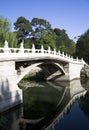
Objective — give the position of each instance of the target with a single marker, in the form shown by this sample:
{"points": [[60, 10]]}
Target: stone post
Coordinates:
{"points": [[66, 55], [21, 47], [6, 48], [63, 54], [33, 48], [71, 57], [81, 59], [59, 52], [49, 49], [42, 49], [54, 51], [77, 58]]}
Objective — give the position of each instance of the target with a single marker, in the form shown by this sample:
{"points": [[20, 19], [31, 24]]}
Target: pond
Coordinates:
{"points": [[50, 106]]}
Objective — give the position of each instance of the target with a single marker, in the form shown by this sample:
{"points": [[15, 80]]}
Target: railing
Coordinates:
{"points": [[22, 50]]}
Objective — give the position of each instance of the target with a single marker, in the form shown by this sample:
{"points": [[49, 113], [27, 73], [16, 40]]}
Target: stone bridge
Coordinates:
{"points": [[55, 65]]}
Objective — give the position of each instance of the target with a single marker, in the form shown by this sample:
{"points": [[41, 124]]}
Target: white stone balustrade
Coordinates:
{"points": [[42, 51]]}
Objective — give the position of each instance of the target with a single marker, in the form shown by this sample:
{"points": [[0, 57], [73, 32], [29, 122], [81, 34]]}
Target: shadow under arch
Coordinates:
{"points": [[51, 70]]}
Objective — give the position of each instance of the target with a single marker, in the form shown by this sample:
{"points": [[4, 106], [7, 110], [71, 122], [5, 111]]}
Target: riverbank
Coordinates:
{"points": [[31, 80]]}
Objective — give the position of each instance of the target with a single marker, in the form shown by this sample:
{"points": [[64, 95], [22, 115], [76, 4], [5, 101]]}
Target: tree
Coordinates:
{"points": [[23, 28], [12, 40], [6, 34], [63, 42], [4, 24], [42, 32], [82, 46], [39, 26], [59, 42], [4, 29], [50, 40]]}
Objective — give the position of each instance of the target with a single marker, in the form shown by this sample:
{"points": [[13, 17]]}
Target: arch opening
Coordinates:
{"points": [[47, 70]]}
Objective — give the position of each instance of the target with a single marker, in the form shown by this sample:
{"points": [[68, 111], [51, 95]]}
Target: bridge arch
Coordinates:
{"points": [[51, 70]]}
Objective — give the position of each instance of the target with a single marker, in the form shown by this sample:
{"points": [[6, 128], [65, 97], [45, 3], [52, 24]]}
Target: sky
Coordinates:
{"points": [[71, 15]]}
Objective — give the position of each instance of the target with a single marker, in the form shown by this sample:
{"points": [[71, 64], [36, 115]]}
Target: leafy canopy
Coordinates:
{"points": [[6, 34], [23, 28], [82, 46], [40, 32]]}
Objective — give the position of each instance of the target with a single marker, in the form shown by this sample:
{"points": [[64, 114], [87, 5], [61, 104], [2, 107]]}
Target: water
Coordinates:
{"points": [[51, 106]]}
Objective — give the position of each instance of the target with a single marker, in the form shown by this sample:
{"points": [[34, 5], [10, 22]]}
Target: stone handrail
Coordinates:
{"points": [[23, 50]]}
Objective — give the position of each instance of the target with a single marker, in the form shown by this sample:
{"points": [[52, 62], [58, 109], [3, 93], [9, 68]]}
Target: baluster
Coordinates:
{"points": [[81, 59], [62, 54], [59, 52], [6, 47], [33, 48], [54, 51], [49, 49], [77, 58], [42, 49], [71, 57], [66, 55], [21, 47]]}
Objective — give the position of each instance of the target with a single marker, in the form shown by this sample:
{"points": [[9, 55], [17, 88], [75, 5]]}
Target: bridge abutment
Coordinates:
{"points": [[74, 70], [10, 93]]}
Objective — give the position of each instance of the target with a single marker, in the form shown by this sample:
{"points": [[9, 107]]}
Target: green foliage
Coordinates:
{"points": [[50, 41], [41, 31], [4, 24], [40, 25], [28, 43], [5, 33], [82, 46], [4, 30], [23, 28], [12, 40], [63, 42]]}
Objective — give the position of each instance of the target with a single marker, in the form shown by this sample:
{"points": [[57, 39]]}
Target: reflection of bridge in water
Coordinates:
{"points": [[75, 90], [69, 92], [72, 91]]}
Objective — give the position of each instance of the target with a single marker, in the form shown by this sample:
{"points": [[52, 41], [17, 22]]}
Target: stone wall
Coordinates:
{"points": [[74, 70], [10, 94]]}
